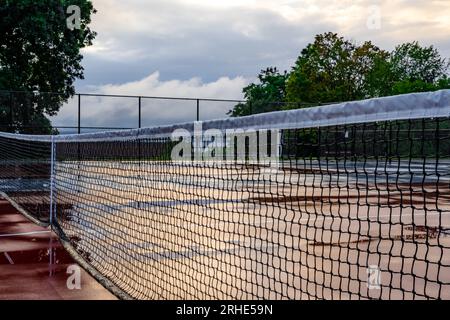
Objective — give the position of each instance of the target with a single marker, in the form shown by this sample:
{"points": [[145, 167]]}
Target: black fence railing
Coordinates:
{"points": [[19, 111], [22, 111]]}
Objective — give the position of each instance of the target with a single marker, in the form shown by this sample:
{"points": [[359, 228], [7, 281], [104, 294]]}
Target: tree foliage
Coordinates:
{"points": [[38, 52], [333, 69], [412, 62], [263, 96], [418, 69]]}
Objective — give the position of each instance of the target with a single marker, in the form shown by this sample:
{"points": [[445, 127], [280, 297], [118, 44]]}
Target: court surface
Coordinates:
{"points": [[237, 232], [26, 271]]}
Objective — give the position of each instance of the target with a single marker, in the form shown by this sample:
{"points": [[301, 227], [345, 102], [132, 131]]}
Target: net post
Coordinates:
{"points": [[52, 204], [52, 180]]}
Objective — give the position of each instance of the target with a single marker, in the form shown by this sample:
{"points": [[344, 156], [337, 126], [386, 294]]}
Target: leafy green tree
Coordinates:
{"points": [[266, 95], [333, 69], [372, 73], [39, 53], [418, 69], [412, 62]]}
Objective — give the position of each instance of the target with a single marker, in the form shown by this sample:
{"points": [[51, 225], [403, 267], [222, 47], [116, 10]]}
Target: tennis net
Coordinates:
{"points": [[345, 201]]}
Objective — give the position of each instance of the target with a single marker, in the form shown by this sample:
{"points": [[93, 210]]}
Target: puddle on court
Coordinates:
{"points": [[60, 256]]}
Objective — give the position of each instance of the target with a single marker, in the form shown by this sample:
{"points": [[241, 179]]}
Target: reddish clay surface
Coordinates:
{"points": [[26, 268]]}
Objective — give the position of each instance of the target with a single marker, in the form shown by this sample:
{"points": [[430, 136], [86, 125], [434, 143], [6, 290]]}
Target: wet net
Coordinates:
{"points": [[349, 201]]}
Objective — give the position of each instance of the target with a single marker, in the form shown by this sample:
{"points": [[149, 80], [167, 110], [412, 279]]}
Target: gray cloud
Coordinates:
{"points": [[123, 112], [209, 40], [183, 40], [192, 38]]}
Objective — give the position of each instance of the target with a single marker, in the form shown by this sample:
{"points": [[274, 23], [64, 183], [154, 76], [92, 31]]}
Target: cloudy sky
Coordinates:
{"points": [[212, 48]]}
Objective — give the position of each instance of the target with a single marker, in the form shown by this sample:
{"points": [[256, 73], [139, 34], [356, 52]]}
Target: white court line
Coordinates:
{"points": [[23, 233], [370, 217], [8, 258]]}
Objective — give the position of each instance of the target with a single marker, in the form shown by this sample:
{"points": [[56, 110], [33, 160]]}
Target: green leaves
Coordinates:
{"points": [[39, 53], [263, 96], [333, 69], [412, 62]]}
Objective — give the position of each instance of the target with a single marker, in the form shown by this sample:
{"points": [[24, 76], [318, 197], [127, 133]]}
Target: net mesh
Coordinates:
{"points": [[25, 174], [344, 211]]}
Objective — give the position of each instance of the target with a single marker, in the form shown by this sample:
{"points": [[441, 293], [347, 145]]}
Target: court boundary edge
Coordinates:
{"points": [[21, 210], [104, 281]]}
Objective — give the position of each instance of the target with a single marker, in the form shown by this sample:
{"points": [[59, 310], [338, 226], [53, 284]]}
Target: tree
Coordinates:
{"points": [[372, 71], [39, 53], [412, 62], [265, 95], [333, 69], [418, 69]]}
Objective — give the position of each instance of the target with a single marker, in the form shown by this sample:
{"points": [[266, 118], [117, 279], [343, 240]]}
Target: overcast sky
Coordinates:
{"points": [[212, 48]]}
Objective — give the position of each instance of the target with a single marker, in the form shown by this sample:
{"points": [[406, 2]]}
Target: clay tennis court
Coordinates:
{"points": [[171, 231], [26, 270], [355, 205], [239, 240]]}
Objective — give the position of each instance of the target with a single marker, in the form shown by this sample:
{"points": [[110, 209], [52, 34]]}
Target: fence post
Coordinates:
{"points": [[198, 109], [140, 113], [79, 113]]}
